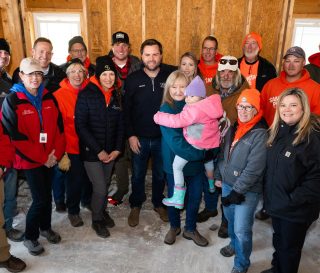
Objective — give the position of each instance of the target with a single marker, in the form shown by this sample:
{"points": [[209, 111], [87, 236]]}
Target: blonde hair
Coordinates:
{"points": [[193, 57], [175, 75], [237, 79], [71, 66], [306, 124]]}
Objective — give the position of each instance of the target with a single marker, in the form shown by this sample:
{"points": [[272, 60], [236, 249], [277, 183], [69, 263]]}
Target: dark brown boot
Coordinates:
{"points": [[223, 230], [13, 264], [133, 219], [171, 235]]}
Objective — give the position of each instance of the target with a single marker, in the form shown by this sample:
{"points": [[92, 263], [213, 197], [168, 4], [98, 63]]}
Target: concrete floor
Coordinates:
{"points": [[141, 249]]}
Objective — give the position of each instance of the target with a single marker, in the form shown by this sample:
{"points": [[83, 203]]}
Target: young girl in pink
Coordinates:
{"points": [[200, 122]]}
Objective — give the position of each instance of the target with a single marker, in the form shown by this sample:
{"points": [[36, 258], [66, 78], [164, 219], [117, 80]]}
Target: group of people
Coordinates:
{"points": [[70, 127]]}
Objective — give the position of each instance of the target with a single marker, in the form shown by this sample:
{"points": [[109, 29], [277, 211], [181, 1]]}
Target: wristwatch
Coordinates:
{"points": [[3, 168]]}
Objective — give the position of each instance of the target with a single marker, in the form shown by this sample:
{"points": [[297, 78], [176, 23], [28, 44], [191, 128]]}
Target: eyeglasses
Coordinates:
{"points": [[78, 51], [225, 61], [246, 108], [209, 49], [36, 74]]}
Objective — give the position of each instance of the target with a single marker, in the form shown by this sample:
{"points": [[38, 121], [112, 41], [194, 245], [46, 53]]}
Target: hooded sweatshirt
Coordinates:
{"points": [[209, 71], [314, 67], [200, 122], [274, 87]]}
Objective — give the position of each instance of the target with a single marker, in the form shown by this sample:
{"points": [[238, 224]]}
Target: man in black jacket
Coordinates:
{"points": [[254, 68], [143, 96], [53, 74]]}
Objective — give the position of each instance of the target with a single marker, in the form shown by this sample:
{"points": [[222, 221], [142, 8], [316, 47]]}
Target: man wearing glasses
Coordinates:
{"points": [[53, 74], [228, 83], [78, 49], [208, 62], [257, 70]]}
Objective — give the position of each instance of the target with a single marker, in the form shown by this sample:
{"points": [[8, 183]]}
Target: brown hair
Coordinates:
{"points": [[193, 57], [41, 39]]}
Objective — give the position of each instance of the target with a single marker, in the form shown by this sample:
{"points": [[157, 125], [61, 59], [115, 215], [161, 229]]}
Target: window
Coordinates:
{"points": [[306, 34], [59, 28]]}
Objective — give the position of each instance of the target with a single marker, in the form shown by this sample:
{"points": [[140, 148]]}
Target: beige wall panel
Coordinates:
{"points": [[53, 4], [230, 25], [97, 28], [1, 27], [266, 20], [306, 6], [126, 16], [161, 22], [195, 25]]}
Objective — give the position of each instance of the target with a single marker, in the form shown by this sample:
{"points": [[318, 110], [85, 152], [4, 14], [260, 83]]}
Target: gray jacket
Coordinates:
{"points": [[244, 167]]}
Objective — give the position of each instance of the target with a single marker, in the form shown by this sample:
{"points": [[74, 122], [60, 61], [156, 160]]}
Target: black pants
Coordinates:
{"points": [[288, 240], [39, 214]]}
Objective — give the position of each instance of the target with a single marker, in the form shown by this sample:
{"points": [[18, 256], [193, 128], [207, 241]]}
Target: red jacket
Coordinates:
{"points": [[21, 121], [67, 97], [6, 149], [274, 87]]}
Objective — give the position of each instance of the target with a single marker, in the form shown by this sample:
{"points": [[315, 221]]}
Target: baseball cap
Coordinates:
{"points": [[120, 37], [29, 65], [295, 51], [228, 62]]}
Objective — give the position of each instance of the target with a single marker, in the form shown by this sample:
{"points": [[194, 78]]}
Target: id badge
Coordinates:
{"points": [[43, 138]]}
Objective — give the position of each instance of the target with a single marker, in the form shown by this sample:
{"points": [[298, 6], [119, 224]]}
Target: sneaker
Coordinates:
{"points": [[223, 230], [227, 251], [204, 215], [13, 264], [133, 219], [108, 221], [75, 220], [162, 213], [52, 236], [262, 215], [112, 201], [270, 270], [234, 270], [15, 235], [61, 207], [100, 229], [34, 247], [196, 237], [171, 235]]}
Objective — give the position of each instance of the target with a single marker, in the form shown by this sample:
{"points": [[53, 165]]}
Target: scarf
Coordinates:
{"points": [[36, 101], [124, 71]]}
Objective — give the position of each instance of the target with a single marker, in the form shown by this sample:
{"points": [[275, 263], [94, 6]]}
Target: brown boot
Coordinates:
{"points": [[171, 235], [162, 213], [13, 264], [196, 237], [133, 219], [223, 230]]}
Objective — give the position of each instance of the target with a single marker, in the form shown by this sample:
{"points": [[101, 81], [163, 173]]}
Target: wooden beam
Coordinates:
{"points": [[178, 30]]}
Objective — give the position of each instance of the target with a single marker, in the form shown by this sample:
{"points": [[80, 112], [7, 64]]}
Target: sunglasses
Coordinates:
{"points": [[225, 61]]}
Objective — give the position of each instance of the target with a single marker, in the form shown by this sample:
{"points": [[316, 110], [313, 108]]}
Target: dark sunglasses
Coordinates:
{"points": [[225, 61]]}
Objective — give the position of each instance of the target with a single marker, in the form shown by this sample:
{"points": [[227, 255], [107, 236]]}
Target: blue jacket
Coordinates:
{"points": [[173, 143], [243, 168]]}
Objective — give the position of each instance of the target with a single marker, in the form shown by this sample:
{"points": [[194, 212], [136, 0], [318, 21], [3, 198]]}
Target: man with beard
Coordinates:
{"points": [[53, 74], [228, 83], [257, 70], [293, 75], [143, 96]]}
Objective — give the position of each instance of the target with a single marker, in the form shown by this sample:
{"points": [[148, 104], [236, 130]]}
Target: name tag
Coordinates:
{"points": [[43, 138]]}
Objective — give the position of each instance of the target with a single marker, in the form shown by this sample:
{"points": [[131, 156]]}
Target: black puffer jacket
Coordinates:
{"points": [[99, 127], [51, 80], [292, 180]]}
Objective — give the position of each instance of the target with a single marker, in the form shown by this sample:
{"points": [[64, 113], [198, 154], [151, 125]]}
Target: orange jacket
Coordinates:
{"points": [[67, 97], [275, 87], [208, 72]]}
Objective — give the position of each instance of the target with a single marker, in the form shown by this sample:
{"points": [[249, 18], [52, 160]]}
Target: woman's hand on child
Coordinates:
{"points": [[218, 183]]}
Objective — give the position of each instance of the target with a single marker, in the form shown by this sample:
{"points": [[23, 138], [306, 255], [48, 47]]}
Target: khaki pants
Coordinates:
{"points": [[4, 246]]}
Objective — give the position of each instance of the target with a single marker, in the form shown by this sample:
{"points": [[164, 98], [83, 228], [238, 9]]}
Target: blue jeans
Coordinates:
{"points": [[192, 201], [240, 221], [10, 193], [39, 214], [150, 147], [59, 181], [210, 199]]}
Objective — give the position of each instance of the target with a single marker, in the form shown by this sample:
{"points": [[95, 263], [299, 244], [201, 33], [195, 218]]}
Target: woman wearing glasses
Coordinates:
{"points": [[31, 117], [240, 170], [76, 177]]}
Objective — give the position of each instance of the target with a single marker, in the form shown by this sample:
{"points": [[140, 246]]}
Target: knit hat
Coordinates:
{"points": [[196, 88], [75, 40], [120, 37], [295, 51], [255, 36], [228, 62], [4, 45], [251, 96], [29, 65], [74, 61], [104, 63]]}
